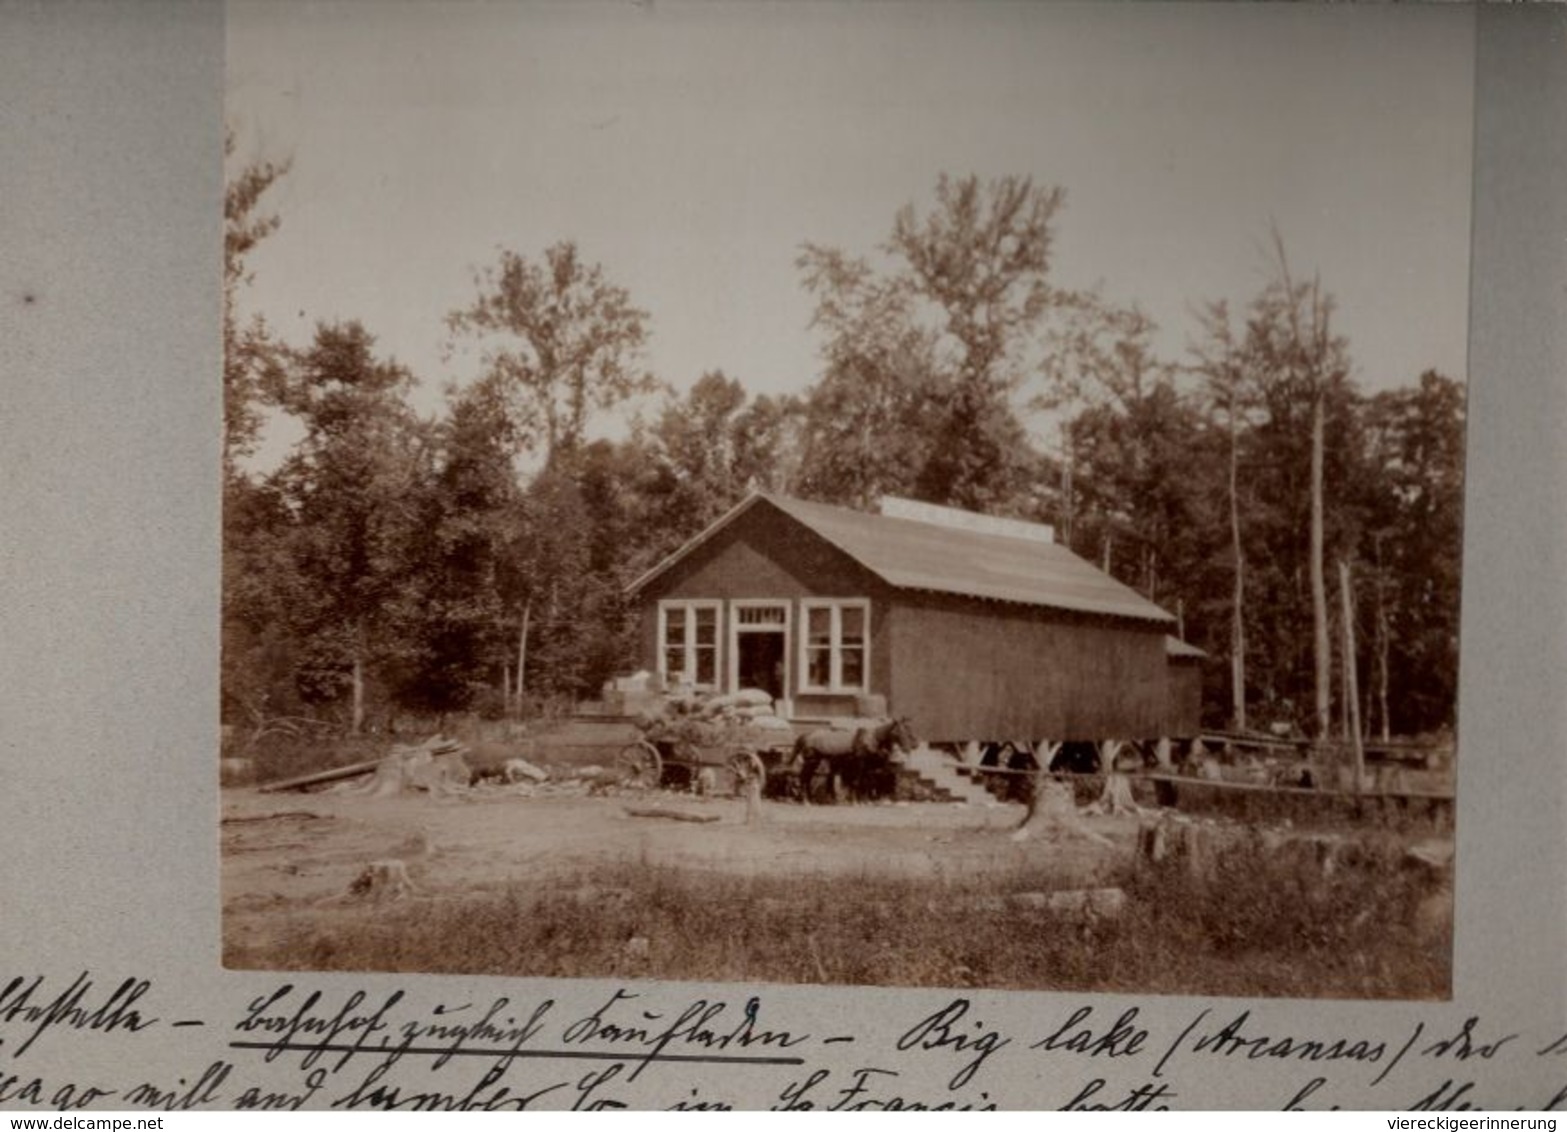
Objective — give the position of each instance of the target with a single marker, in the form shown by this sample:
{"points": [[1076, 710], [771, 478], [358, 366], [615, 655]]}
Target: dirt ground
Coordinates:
{"points": [[289, 859]]}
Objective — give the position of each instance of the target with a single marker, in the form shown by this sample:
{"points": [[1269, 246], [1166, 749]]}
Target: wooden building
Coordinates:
{"points": [[1183, 718], [974, 629]]}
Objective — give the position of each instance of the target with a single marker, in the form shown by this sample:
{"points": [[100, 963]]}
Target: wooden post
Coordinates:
{"points": [[1351, 684], [753, 800]]}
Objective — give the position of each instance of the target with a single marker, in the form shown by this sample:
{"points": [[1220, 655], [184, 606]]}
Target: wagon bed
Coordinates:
{"points": [[677, 752]]}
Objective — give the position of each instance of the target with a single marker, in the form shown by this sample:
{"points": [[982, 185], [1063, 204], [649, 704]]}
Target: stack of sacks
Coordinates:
{"points": [[704, 719]]}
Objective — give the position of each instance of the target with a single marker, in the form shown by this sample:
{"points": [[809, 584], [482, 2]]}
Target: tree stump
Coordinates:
{"points": [[383, 880], [1051, 810], [1116, 797], [1197, 851], [1153, 842]]}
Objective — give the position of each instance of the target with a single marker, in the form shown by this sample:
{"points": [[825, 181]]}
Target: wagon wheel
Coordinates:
{"points": [[643, 767], [747, 766]]}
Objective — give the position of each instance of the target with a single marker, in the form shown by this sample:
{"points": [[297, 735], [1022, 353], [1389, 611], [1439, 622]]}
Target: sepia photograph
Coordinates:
{"points": [[928, 495]]}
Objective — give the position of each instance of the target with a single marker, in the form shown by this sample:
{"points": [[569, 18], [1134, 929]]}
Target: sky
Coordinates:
{"points": [[692, 149]]}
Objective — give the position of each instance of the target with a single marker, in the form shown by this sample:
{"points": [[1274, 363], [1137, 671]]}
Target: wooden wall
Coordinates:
{"points": [[1183, 718], [960, 668], [766, 554], [971, 669]]}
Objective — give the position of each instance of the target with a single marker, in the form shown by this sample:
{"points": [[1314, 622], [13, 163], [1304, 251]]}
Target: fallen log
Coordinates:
{"points": [[320, 777], [672, 815], [281, 815], [435, 746]]}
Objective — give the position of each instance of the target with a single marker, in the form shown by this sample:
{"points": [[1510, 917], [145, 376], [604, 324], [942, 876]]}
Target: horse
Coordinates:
{"points": [[853, 758]]}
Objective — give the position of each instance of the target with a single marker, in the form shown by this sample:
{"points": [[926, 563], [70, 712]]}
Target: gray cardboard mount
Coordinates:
{"points": [[111, 135]]}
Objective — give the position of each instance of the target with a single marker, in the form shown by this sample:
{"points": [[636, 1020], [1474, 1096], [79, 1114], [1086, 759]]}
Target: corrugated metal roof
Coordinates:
{"points": [[1177, 649], [927, 556]]}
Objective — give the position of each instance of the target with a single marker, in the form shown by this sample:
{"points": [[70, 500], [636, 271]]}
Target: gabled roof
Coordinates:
{"points": [[915, 555]]}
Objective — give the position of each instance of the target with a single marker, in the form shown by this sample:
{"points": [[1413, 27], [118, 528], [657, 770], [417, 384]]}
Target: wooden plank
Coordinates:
{"points": [[1263, 787], [1407, 748], [1215, 783]]}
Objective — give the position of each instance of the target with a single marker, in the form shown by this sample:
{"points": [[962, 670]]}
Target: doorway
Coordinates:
{"points": [[761, 647]]}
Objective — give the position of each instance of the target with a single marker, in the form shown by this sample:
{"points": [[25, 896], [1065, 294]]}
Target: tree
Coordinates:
{"points": [[460, 566], [1416, 441], [560, 339], [256, 654], [866, 423], [1292, 345], [922, 361], [713, 447], [252, 360], [353, 488], [1220, 362]]}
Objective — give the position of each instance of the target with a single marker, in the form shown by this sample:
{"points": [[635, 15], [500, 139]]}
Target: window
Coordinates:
{"points": [[834, 646], [688, 643]]}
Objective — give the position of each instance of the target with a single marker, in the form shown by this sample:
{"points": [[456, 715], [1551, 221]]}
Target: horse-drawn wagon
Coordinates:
{"points": [[851, 758], [692, 754]]}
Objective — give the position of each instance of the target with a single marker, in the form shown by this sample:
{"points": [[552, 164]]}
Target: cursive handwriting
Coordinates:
{"points": [[648, 1034], [1465, 1044], [862, 1093], [1122, 1039], [1144, 1098], [20, 1002], [284, 1025], [1235, 1040], [942, 1031], [361, 1049], [494, 1026]]}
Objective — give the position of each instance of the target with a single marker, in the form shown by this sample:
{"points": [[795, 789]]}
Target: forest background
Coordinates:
{"points": [[396, 565]]}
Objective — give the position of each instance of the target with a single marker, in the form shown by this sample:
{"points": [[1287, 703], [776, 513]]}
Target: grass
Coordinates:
{"points": [[1257, 924]]}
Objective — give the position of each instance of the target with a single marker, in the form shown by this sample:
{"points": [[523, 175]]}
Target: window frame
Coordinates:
{"points": [[835, 646], [687, 609]]}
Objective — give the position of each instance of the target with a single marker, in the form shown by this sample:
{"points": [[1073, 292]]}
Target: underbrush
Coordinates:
{"points": [[1253, 924]]}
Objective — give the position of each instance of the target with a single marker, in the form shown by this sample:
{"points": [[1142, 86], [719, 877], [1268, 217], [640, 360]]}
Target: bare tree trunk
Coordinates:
{"points": [[1319, 592], [1310, 367], [522, 651], [1068, 509], [1343, 667], [1382, 645], [357, 719], [506, 687], [1351, 681], [1238, 616]]}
